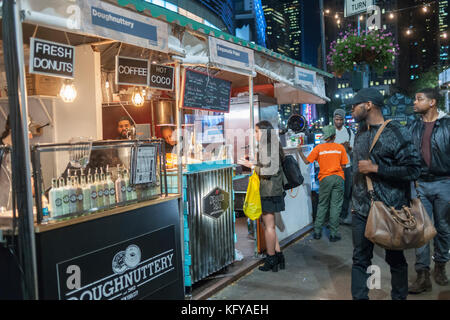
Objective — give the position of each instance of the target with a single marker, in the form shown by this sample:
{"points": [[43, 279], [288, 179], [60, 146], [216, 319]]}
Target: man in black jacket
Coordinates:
{"points": [[431, 135], [393, 163]]}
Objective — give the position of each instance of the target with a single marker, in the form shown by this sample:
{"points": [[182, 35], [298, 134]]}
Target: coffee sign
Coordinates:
{"points": [[51, 58], [132, 71], [161, 77]]}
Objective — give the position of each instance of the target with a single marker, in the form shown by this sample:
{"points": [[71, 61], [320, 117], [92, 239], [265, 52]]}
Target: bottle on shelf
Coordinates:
{"points": [[65, 197], [93, 191], [99, 187], [72, 194], [112, 190], [121, 189], [79, 192], [128, 187], [55, 198], [86, 190], [105, 190]]}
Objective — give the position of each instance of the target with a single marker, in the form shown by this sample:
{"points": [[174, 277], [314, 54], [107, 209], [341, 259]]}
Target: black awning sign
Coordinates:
{"points": [[161, 77], [132, 71], [51, 58], [216, 203]]}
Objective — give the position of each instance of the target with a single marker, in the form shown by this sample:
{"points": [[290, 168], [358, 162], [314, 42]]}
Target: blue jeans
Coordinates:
{"points": [[435, 197], [362, 260]]}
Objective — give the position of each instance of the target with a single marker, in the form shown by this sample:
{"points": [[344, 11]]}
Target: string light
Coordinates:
{"points": [[336, 16], [391, 15], [137, 99], [425, 9], [68, 92]]}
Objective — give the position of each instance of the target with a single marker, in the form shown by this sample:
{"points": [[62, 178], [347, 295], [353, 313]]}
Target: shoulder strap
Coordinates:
{"points": [[377, 136]]}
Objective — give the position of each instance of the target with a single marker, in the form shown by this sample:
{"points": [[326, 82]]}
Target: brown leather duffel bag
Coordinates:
{"points": [[409, 227]]}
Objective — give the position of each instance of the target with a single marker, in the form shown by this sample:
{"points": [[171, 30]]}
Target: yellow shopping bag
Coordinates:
{"points": [[252, 203]]}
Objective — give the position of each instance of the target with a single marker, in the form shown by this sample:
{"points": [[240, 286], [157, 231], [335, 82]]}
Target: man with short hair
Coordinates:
{"points": [[124, 126], [431, 135], [346, 137], [332, 158], [392, 164]]}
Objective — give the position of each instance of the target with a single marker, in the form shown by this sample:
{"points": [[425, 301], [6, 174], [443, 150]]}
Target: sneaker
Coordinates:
{"points": [[335, 238], [317, 236]]}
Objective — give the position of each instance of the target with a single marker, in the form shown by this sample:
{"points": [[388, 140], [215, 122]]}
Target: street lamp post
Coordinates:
{"points": [[322, 30]]}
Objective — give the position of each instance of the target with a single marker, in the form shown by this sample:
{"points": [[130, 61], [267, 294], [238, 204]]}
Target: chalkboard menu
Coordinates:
{"points": [[202, 91]]}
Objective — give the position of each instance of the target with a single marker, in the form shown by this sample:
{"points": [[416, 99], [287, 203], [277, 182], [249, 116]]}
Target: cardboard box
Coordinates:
{"points": [[43, 85]]}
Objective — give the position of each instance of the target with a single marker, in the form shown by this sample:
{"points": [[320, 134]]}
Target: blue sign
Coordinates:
{"points": [[307, 77], [125, 25], [232, 54]]}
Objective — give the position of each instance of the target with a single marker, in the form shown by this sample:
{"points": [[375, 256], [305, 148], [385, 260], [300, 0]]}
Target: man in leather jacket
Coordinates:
{"points": [[431, 135], [392, 164]]}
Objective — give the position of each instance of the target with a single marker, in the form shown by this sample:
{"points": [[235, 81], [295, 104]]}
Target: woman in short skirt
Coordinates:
{"points": [[270, 172]]}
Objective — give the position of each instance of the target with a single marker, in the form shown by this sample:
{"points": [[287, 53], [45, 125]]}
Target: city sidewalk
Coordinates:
{"points": [[320, 270]]}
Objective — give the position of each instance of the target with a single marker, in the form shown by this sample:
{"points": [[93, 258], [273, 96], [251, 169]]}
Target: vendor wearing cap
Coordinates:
{"points": [[332, 158]]}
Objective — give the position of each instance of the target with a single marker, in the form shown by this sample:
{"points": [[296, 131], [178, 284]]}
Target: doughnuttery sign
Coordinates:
{"points": [[131, 269], [216, 203], [51, 58]]}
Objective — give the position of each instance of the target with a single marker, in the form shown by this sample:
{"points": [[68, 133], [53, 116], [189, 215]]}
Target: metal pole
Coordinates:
{"points": [[252, 118], [322, 30], [180, 151], [24, 111]]}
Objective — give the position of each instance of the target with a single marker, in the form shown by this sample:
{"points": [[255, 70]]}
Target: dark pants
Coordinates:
{"points": [[347, 193], [435, 197], [362, 260]]}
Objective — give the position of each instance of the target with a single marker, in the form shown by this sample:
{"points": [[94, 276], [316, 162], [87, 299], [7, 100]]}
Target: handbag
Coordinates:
{"points": [[252, 203], [292, 172], [392, 229]]}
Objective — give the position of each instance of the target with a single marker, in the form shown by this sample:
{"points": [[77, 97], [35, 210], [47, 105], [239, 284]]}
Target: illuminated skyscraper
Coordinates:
{"points": [[443, 30], [293, 14], [277, 37]]}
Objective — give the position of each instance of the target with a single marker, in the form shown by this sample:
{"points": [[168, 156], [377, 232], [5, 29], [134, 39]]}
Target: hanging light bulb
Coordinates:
{"points": [[137, 99], [68, 92]]}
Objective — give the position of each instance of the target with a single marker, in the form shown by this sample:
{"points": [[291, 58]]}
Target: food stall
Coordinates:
{"points": [[189, 204], [102, 223]]}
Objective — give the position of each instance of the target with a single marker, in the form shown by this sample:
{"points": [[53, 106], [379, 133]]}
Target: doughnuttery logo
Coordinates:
{"points": [[127, 259]]}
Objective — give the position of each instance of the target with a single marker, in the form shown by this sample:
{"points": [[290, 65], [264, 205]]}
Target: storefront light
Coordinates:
{"points": [[68, 92], [138, 98]]}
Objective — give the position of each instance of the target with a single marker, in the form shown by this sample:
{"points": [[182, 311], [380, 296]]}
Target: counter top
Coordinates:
{"points": [[96, 215]]}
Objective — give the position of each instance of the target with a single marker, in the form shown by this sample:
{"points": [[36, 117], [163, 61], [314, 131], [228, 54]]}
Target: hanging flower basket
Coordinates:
{"points": [[375, 48]]}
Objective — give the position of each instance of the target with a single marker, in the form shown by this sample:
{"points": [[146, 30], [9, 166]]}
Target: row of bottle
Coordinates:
{"points": [[83, 193]]}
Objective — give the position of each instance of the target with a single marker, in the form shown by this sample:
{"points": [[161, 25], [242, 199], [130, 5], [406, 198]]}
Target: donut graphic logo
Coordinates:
{"points": [[126, 259]]}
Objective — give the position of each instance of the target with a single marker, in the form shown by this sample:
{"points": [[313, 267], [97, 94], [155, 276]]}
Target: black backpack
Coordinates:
{"points": [[292, 172]]}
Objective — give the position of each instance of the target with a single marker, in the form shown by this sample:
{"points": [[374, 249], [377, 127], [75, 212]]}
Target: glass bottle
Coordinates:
{"points": [[112, 189], [72, 195], [65, 197], [99, 187], [93, 192], [55, 198], [105, 190], [121, 189], [80, 197], [86, 189]]}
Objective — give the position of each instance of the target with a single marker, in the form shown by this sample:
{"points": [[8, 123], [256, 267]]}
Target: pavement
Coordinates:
{"points": [[320, 270]]}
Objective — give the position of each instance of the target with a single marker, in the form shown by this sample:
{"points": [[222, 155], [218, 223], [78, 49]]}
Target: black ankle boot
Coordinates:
{"points": [[271, 263], [280, 257]]}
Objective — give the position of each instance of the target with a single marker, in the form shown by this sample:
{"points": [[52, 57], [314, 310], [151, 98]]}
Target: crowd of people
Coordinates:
{"points": [[419, 152]]}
